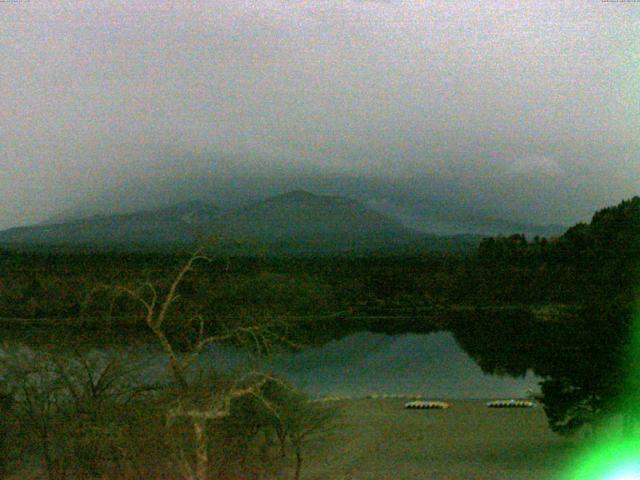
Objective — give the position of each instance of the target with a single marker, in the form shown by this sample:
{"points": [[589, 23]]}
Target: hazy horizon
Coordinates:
{"points": [[525, 112]]}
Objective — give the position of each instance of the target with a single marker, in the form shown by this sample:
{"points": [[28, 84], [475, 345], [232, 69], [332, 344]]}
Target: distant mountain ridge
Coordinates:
{"points": [[434, 217], [295, 221], [175, 224], [303, 216], [196, 208]]}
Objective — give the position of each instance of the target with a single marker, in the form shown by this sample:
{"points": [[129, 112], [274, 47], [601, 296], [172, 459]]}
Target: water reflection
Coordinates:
{"points": [[433, 365], [360, 364]]}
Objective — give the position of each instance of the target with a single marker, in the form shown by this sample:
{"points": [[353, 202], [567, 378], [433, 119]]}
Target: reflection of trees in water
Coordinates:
{"points": [[581, 361], [507, 344], [579, 357]]}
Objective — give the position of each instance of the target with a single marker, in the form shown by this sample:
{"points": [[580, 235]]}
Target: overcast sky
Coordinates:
{"points": [[534, 106]]}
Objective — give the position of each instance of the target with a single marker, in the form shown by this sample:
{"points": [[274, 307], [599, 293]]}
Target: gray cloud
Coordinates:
{"points": [[530, 110]]}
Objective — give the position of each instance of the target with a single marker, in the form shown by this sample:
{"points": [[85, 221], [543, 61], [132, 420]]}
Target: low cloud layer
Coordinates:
{"points": [[528, 110]]}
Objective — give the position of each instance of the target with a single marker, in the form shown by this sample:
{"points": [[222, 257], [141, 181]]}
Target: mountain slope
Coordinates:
{"points": [[436, 218], [300, 216], [179, 223], [294, 222]]}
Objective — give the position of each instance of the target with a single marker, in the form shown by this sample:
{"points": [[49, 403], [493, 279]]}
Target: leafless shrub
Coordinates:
{"points": [[200, 404], [74, 409], [278, 415]]}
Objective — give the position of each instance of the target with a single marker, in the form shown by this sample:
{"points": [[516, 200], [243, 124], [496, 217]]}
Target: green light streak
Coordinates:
{"points": [[616, 455], [607, 460]]}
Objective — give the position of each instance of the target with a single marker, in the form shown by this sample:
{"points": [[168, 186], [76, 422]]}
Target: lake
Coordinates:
{"points": [[431, 365]]}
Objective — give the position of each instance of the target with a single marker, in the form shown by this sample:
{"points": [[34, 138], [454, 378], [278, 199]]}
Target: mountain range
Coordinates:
{"points": [[294, 222]]}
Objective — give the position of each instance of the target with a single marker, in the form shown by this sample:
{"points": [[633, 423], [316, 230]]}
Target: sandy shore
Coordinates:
{"points": [[379, 439]]}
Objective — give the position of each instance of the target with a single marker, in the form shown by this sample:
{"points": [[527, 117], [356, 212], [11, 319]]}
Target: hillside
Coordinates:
{"points": [[320, 221], [294, 222], [176, 224], [450, 218]]}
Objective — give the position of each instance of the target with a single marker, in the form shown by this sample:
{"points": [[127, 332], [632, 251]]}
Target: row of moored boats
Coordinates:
{"points": [[434, 404]]}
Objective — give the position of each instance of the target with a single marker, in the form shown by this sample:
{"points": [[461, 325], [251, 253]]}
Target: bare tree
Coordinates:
{"points": [[290, 415], [65, 403], [307, 421], [38, 395], [202, 405]]}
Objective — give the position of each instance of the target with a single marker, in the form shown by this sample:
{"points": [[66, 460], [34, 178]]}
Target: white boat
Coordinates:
{"points": [[511, 403], [424, 404]]}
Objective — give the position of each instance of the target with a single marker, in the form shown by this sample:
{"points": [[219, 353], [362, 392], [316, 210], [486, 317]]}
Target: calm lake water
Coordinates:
{"points": [[432, 365]]}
